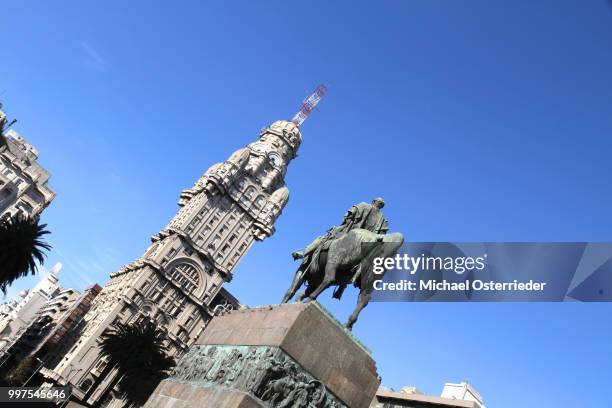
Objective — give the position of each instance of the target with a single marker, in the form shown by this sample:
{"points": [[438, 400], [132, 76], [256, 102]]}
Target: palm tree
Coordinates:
{"points": [[139, 383], [139, 354], [21, 248]]}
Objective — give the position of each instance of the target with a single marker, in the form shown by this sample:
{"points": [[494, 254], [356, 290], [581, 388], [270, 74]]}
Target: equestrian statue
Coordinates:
{"points": [[344, 255]]}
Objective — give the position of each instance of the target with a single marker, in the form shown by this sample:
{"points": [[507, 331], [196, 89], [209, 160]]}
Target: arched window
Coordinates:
{"points": [[161, 320], [186, 276], [248, 194], [259, 202]]}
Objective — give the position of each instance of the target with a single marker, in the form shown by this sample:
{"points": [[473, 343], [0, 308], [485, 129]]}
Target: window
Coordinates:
{"points": [[86, 384], [249, 192], [214, 242], [259, 202], [188, 322], [145, 286], [161, 320], [186, 276], [157, 296], [176, 310], [208, 268], [169, 256], [183, 335], [100, 364]]}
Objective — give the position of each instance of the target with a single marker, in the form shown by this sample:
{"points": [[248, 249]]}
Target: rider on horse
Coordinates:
{"points": [[364, 216]]}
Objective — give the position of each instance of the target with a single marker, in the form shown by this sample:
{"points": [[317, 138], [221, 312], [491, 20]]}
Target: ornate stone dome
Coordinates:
{"points": [[288, 131]]}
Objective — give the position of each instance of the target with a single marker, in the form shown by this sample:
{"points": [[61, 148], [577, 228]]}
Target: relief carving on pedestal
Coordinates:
{"points": [[266, 373]]}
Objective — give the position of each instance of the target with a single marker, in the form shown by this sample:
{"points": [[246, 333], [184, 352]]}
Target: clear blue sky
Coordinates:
{"points": [[475, 120]]}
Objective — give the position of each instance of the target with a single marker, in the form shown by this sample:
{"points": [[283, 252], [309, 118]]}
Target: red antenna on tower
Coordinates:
{"points": [[309, 105]]}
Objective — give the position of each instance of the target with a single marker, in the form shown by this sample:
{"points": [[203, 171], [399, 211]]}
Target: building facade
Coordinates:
{"points": [[23, 182], [52, 331], [60, 324], [178, 281], [17, 314]]}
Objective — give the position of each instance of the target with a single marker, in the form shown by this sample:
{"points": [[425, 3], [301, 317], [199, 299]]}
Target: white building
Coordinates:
{"points": [[23, 182], [461, 395], [462, 391], [18, 313]]}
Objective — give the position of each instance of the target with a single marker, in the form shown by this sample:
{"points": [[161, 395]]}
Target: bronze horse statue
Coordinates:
{"points": [[349, 258]]}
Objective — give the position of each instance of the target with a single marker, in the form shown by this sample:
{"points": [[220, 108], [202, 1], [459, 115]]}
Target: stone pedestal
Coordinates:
{"points": [[284, 356]]}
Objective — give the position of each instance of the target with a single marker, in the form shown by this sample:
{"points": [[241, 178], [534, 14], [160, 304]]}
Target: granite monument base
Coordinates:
{"points": [[284, 356]]}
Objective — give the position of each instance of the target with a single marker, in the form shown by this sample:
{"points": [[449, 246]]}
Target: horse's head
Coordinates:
{"points": [[393, 242], [380, 246]]}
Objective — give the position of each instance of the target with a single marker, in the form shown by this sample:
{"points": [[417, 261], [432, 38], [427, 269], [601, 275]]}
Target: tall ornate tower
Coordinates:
{"points": [[178, 281]]}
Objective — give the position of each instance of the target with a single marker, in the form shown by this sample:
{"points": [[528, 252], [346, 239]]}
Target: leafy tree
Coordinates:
{"points": [[139, 354], [21, 248], [22, 372]]}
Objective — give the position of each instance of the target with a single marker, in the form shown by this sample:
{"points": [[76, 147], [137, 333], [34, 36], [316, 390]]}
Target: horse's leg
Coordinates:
{"points": [[364, 299], [328, 279], [310, 287], [298, 279]]}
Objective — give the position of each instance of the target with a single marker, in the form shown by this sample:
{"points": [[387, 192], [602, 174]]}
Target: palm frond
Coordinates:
{"points": [[22, 248], [139, 354]]}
